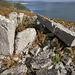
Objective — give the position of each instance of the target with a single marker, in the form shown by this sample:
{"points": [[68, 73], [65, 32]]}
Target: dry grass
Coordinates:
{"points": [[73, 54], [6, 11], [26, 23], [10, 62], [40, 38], [59, 48]]}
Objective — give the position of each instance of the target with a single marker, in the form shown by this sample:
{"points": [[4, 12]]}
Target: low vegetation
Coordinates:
{"points": [[39, 39], [25, 24], [11, 61], [56, 59], [73, 54], [4, 11], [13, 5]]}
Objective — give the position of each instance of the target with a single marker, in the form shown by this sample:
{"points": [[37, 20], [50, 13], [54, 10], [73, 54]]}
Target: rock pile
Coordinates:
{"points": [[47, 49]]}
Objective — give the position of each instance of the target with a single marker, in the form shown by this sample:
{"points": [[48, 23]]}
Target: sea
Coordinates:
{"points": [[62, 10]]}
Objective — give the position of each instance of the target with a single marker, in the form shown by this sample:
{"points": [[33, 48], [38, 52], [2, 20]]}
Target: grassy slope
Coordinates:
{"points": [[13, 5], [6, 11]]}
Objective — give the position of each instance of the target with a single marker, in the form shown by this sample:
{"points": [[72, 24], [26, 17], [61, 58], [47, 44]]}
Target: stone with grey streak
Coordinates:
{"points": [[7, 33], [20, 18], [24, 39], [13, 16], [67, 36]]}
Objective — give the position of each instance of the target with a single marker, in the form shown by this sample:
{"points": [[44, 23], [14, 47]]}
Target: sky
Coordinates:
{"points": [[47, 0]]}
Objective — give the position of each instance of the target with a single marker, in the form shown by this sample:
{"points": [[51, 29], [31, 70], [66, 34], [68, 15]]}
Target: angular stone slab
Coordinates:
{"points": [[24, 39], [7, 33], [67, 36]]}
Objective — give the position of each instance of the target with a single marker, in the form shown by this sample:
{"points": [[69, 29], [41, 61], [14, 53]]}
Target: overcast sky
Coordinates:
{"points": [[47, 0]]}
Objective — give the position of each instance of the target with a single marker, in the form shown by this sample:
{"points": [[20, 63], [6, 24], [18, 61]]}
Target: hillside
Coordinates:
{"points": [[13, 5], [6, 11]]}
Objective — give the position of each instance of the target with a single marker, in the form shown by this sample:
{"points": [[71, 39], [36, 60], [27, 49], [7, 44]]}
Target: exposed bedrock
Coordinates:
{"points": [[67, 36], [7, 34]]}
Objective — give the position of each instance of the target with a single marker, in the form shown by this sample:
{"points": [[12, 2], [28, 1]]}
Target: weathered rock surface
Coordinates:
{"points": [[47, 72], [53, 42], [33, 18], [26, 17], [24, 39], [73, 73], [66, 59], [67, 36], [20, 69], [13, 16], [61, 67], [42, 60], [20, 18], [7, 34], [35, 50]]}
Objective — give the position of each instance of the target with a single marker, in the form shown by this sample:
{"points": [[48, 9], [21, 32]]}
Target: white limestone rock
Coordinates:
{"points": [[7, 34], [13, 16], [20, 18], [24, 39]]}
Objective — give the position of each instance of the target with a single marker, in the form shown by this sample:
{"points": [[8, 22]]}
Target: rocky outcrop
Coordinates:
{"points": [[38, 50], [7, 34], [24, 39], [67, 36]]}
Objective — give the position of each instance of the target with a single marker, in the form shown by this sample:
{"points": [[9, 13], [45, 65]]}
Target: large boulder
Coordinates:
{"points": [[13, 16], [24, 39], [7, 33], [67, 36]]}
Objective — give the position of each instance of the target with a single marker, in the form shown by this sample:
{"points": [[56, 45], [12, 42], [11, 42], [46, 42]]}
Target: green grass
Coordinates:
{"points": [[13, 5], [56, 59]]}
